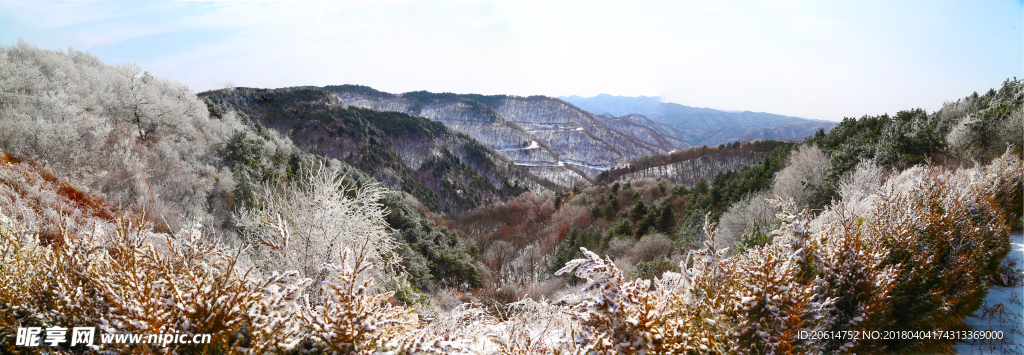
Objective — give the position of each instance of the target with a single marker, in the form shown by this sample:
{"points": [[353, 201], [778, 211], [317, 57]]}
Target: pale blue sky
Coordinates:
{"points": [[815, 59]]}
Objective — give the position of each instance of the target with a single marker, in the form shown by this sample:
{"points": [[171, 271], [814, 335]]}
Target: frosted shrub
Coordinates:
{"points": [[534, 328], [753, 302], [22, 275], [1003, 181], [131, 280], [610, 322], [701, 299], [118, 281], [914, 253], [944, 233], [352, 319], [770, 303], [680, 313], [849, 262], [45, 203], [459, 331]]}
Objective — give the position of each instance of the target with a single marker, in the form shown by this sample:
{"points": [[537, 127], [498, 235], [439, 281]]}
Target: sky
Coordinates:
{"points": [[814, 59]]}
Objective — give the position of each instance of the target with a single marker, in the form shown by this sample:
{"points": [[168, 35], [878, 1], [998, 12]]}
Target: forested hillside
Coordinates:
{"points": [[643, 129], [686, 167], [646, 224], [445, 170], [969, 131]]}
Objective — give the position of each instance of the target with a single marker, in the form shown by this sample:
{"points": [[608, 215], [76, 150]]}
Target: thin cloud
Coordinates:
{"points": [[51, 15]]}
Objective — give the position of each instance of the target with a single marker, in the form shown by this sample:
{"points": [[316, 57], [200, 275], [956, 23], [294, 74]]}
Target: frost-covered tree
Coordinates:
{"points": [[744, 215], [528, 266], [858, 193], [982, 126], [304, 223], [807, 166]]}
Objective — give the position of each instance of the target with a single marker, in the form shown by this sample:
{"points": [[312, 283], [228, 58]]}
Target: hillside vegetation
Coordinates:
{"points": [[686, 167], [968, 131]]}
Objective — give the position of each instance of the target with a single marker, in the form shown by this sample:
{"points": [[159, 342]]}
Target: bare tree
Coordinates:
{"points": [[859, 192], [806, 166], [528, 265], [307, 222], [743, 215]]}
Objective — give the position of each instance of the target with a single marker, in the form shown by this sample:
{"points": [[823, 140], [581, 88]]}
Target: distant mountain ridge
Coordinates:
{"points": [[552, 139], [703, 126]]}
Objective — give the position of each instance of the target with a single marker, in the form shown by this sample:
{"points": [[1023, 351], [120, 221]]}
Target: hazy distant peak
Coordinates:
{"points": [[702, 125]]}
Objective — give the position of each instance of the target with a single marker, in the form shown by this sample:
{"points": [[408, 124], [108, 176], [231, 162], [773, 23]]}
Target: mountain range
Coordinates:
{"points": [[552, 139], [443, 169], [565, 143], [456, 151], [696, 126]]}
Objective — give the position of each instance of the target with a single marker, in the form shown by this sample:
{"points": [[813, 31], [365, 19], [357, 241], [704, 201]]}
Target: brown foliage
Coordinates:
{"points": [[44, 201]]}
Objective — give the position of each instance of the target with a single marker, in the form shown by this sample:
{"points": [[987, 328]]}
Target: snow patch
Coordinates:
{"points": [[533, 145], [1010, 320]]}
